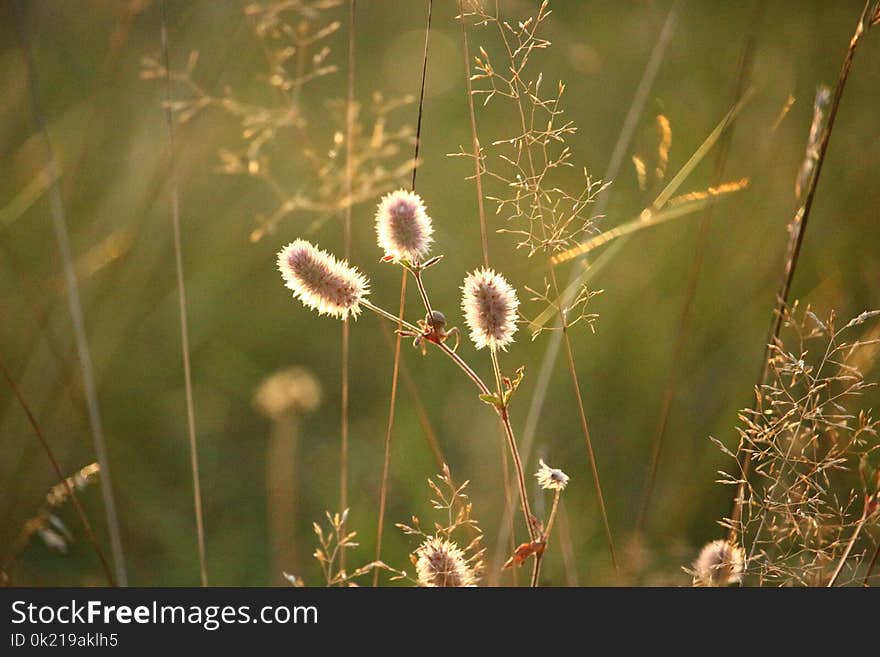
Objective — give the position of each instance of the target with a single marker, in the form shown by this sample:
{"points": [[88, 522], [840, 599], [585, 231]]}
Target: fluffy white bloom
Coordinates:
{"points": [[403, 228], [550, 478], [320, 281], [489, 304], [719, 564]]}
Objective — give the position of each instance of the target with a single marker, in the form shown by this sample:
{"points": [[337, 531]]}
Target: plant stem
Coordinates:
{"points": [[475, 141], [80, 512], [798, 227], [871, 566], [417, 273], [536, 572], [395, 369], [389, 316], [181, 299], [484, 389], [74, 301], [849, 546], [514, 450], [386, 462], [346, 236], [501, 408], [694, 276]]}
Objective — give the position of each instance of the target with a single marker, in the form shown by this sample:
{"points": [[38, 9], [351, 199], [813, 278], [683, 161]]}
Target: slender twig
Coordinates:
{"points": [[392, 404], [586, 431], [501, 407], [475, 141], [503, 414], [419, 405], [181, 303], [484, 244], [568, 558], [539, 557], [346, 237], [554, 342], [473, 376], [417, 272], [798, 226], [849, 547], [62, 236], [572, 368], [422, 96], [681, 337], [80, 512], [395, 369]]}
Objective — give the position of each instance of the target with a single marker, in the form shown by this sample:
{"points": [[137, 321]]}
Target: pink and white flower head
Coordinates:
{"points": [[320, 281], [489, 304], [403, 227]]}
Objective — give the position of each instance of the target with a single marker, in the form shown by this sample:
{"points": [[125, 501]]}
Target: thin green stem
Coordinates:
{"points": [[346, 236], [181, 302], [80, 512], [74, 301], [417, 273], [389, 316], [514, 450], [536, 571], [386, 463]]}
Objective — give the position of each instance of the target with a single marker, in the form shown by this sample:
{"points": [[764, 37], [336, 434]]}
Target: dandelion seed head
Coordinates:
{"points": [[489, 304], [320, 281], [719, 564], [441, 563], [403, 227], [551, 478]]}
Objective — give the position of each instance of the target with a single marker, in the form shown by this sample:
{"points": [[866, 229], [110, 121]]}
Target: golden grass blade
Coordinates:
{"points": [[681, 206]]}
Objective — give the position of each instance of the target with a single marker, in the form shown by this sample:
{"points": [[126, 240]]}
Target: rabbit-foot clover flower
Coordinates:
{"points": [[403, 228], [489, 304], [551, 478], [320, 281], [441, 563], [719, 564]]}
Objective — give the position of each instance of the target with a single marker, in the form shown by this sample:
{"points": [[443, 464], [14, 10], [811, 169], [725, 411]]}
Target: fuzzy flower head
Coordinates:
{"points": [[441, 563], [320, 281], [489, 304], [719, 564], [551, 478], [403, 227]]}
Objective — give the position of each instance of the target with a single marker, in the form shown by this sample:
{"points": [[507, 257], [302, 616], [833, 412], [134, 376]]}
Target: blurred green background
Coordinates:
{"points": [[107, 128]]}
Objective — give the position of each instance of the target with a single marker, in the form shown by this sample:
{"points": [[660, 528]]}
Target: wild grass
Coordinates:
{"points": [[812, 483], [181, 306], [316, 145]]}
